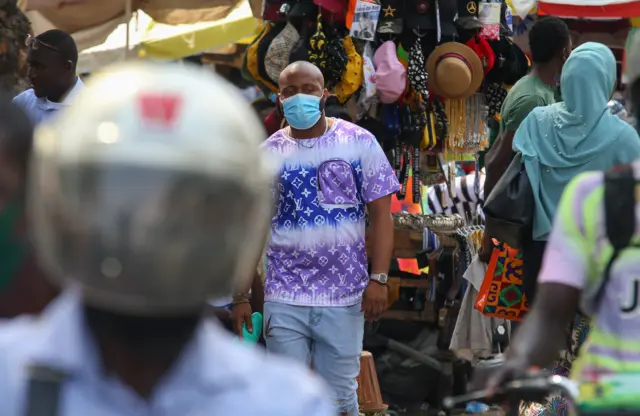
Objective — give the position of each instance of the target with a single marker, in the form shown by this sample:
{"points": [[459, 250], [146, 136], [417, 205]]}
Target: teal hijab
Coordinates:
{"points": [[559, 141]]}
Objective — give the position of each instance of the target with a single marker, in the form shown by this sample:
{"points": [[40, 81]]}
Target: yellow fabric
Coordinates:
{"points": [[429, 139], [353, 76], [246, 73], [317, 46], [177, 41], [252, 60], [186, 12]]}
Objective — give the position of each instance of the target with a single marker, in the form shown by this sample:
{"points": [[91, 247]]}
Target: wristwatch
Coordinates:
{"points": [[381, 278]]}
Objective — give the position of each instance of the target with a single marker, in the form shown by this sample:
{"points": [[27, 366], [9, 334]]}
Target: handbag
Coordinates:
{"points": [[501, 294], [509, 208]]}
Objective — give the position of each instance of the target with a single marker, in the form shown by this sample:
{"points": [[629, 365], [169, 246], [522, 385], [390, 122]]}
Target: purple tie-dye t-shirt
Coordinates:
{"points": [[316, 255]]}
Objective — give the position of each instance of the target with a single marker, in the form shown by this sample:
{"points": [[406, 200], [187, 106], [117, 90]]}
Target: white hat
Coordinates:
{"points": [[151, 190]]}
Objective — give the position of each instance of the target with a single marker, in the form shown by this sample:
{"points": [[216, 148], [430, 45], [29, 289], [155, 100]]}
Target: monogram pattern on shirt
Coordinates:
{"points": [[317, 254]]}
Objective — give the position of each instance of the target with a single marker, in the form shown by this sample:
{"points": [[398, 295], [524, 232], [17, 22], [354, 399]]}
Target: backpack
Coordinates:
{"points": [[620, 216]]}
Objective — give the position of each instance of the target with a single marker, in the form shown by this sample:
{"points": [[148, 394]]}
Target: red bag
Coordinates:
{"points": [[501, 294]]}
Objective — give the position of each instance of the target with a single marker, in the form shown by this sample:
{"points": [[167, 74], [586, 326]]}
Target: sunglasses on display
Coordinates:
{"points": [[34, 44]]}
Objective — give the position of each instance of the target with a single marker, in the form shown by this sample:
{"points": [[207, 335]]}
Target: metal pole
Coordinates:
{"points": [[127, 16]]}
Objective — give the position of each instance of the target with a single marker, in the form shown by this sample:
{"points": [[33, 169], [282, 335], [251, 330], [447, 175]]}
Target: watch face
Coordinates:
{"points": [[382, 278]]}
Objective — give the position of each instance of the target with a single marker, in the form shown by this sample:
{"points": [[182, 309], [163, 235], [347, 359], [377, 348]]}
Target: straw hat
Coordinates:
{"points": [[455, 71]]}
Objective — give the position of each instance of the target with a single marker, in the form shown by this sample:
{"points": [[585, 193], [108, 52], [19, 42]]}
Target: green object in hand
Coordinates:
{"points": [[253, 337]]}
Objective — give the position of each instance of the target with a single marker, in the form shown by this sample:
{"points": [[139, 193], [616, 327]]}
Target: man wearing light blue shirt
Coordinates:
{"points": [[132, 217], [51, 59]]}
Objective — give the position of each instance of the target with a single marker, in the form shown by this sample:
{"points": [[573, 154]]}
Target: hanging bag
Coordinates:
{"points": [[509, 208], [501, 294]]}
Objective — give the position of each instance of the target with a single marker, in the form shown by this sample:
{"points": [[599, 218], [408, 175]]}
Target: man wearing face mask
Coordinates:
{"points": [[318, 291]]}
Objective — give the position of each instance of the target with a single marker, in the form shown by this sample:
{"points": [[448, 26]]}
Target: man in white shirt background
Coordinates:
{"points": [[51, 59]]}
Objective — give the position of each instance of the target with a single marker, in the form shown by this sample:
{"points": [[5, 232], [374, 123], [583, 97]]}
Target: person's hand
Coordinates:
{"points": [[484, 254], [511, 369], [374, 301], [241, 313]]}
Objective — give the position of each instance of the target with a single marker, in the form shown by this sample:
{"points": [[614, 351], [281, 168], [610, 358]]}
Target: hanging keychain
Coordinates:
{"points": [[396, 118], [404, 175], [391, 114], [397, 158], [416, 175], [406, 158]]}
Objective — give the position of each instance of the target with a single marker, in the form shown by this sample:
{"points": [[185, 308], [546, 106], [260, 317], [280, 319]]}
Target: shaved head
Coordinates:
{"points": [[303, 69], [301, 77]]}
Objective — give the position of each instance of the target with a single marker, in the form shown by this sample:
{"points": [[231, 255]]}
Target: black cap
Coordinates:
{"points": [[511, 63], [468, 14], [304, 9], [420, 15], [392, 14]]}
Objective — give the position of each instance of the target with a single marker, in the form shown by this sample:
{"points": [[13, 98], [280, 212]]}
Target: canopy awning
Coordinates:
{"points": [[164, 41], [613, 9], [76, 15], [155, 40]]}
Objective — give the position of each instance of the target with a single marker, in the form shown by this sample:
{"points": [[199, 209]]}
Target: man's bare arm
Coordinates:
{"points": [[381, 226]]}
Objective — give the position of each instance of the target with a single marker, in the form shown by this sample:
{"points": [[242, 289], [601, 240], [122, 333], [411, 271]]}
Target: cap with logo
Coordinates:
{"points": [[392, 14], [468, 15], [148, 192]]}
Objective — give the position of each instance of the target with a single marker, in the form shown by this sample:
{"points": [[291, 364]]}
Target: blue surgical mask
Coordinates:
{"points": [[302, 111]]}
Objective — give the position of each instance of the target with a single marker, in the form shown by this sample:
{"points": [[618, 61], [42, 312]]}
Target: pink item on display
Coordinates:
{"points": [[391, 75]]}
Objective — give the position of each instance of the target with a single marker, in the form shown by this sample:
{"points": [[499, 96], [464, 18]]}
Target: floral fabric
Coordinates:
{"points": [[556, 405]]}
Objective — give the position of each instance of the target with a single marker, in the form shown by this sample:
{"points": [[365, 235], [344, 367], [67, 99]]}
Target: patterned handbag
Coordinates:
{"points": [[501, 294]]}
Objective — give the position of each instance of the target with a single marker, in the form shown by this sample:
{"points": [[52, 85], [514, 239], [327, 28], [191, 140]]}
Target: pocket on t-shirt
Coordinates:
{"points": [[337, 184]]}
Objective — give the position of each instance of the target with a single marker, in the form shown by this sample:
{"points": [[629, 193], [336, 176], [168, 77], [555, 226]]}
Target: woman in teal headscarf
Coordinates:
{"points": [[558, 142], [562, 140]]}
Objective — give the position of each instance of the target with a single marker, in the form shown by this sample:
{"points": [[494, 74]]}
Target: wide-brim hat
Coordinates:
{"points": [[455, 71]]}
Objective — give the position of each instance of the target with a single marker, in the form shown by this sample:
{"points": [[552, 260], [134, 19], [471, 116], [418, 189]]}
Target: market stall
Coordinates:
{"points": [[427, 78]]}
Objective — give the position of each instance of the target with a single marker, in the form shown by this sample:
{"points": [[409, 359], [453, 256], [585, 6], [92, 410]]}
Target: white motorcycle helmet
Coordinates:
{"points": [[151, 190]]}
